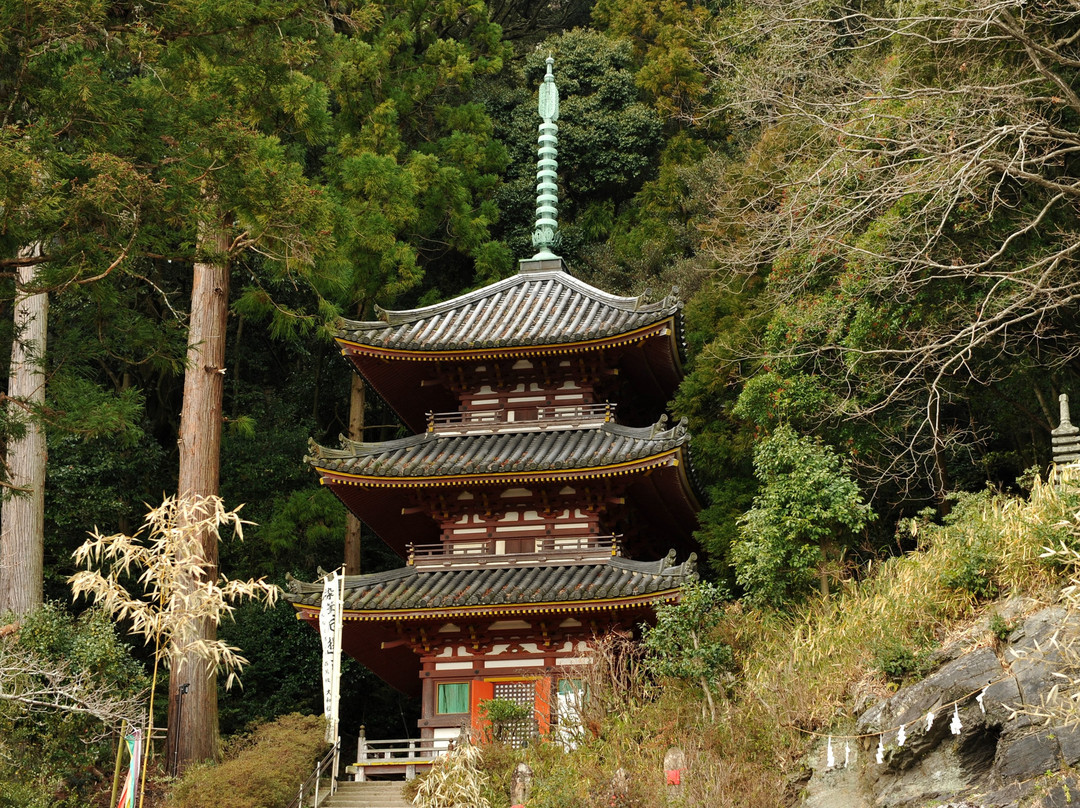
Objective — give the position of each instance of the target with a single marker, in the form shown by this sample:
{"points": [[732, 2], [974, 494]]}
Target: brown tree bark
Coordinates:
{"points": [[22, 515], [357, 397], [193, 722]]}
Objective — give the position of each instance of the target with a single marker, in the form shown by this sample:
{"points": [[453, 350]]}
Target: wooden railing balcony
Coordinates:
{"points": [[396, 755], [555, 416], [491, 552]]}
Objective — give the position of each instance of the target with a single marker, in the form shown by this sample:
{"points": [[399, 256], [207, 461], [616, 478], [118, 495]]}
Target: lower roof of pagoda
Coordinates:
{"points": [[379, 482], [392, 617]]}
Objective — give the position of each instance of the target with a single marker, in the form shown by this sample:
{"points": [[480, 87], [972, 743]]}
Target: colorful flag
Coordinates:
{"points": [[131, 785]]}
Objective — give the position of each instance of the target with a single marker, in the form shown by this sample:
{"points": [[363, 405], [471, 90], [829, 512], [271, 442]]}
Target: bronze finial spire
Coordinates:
{"points": [[546, 235]]}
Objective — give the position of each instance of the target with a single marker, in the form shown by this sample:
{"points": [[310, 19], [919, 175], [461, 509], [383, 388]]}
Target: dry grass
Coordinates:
{"points": [[807, 670]]}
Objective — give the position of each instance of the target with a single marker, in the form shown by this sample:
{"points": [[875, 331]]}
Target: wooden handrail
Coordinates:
{"points": [[484, 551], [547, 416]]}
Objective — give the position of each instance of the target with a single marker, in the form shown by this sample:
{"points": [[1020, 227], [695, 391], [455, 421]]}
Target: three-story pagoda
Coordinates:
{"points": [[542, 503]]}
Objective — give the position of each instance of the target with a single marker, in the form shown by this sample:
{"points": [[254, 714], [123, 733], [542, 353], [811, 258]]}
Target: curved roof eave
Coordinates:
{"points": [[544, 308]]}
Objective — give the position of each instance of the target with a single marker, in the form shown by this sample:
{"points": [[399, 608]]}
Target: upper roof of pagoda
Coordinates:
{"points": [[542, 306], [541, 314]]}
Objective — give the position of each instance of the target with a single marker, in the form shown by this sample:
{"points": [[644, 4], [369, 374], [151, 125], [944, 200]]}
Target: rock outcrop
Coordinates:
{"points": [[1000, 756]]}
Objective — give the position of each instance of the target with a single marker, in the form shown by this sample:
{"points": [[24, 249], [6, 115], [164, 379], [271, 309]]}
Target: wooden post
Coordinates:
{"points": [[361, 755]]}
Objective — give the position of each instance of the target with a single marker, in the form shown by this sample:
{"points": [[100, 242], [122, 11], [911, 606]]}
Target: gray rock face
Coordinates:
{"points": [[999, 758]]}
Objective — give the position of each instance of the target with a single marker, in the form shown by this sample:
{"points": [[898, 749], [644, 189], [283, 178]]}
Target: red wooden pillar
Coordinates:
{"points": [[480, 691], [542, 704]]}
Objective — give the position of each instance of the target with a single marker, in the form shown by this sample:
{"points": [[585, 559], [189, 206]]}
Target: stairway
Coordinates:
{"points": [[371, 794]]}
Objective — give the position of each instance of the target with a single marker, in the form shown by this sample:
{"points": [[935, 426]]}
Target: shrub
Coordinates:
{"points": [[60, 757], [684, 643], [506, 718], [1000, 627], [263, 769], [897, 660]]}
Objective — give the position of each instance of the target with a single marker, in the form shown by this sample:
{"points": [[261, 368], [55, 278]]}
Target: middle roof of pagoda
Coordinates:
{"points": [[542, 305], [430, 455], [374, 480]]}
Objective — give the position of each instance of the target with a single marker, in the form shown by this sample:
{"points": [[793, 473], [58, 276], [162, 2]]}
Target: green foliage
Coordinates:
{"points": [[807, 500], [413, 163], [1000, 627], [609, 142], [684, 643], [667, 44], [501, 710], [897, 660], [262, 769], [94, 481], [505, 716], [896, 274], [283, 671], [57, 757], [972, 573]]}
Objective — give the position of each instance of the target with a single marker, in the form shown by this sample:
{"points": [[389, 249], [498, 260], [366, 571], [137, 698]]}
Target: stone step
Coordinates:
{"points": [[368, 795]]}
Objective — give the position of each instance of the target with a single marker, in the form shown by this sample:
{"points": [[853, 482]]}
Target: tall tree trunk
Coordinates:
{"points": [[193, 728], [357, 398], [22, 516]]}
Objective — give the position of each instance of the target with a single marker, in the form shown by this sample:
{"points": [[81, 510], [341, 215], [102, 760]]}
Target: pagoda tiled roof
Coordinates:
{"points": [[433, 455], [537, 586], [532, 308]]}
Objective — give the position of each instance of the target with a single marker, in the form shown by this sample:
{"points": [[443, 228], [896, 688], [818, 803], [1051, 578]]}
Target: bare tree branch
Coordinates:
{"points": [[922, 226]]}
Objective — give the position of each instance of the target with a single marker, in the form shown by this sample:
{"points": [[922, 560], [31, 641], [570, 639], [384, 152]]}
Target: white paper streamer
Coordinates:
{"points": [[830, 758], [956, 726], [881, 749], [979, 698], [901, 736], [929, 720], [847, 754]]}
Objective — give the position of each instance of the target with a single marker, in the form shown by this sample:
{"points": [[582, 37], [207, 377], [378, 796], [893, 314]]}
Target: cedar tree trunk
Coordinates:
{"points": [[22, 516], [193, 727], [356, 432]]}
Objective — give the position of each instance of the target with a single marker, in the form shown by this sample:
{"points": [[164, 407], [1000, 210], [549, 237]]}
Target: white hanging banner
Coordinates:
{"points": [[330, 630]]}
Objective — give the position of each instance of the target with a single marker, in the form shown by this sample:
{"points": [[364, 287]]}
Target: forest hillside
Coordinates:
{"points": [[870, 210]]}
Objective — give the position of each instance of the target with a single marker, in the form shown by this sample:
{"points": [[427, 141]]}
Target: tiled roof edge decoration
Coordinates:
{"points": [[572, 448], [551, 307], [410, 588]]}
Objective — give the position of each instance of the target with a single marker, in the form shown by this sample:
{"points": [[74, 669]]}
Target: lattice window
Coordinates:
{"points": [[518, 733]]}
